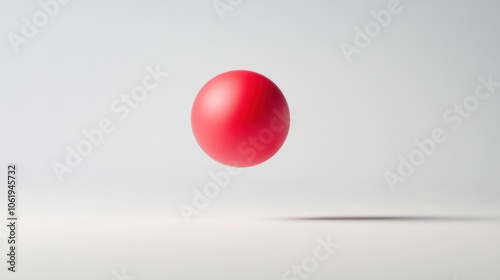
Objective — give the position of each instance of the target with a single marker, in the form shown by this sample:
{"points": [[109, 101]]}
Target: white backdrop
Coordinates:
{"points": [[354, 116]]}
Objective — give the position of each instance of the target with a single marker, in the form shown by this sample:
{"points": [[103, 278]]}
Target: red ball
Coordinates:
{"points": [[240, 118]]}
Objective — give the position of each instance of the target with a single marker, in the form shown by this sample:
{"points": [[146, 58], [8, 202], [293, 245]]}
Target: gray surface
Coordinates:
{"points": [[350, 123]]}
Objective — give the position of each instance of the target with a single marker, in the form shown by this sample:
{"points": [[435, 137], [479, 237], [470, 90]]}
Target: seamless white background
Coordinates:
{"points": [[350, 123]]}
